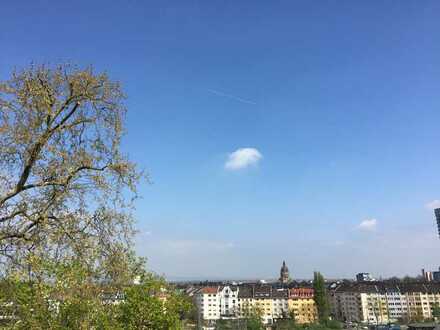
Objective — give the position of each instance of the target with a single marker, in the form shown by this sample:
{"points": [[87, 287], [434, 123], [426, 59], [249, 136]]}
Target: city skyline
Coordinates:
{"points": [[298, 131]]}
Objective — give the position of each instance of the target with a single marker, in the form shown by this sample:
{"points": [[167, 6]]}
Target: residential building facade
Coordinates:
{"points": [[302, 304], [207, 301], [437, 217], [271, 302], [382, 303]]}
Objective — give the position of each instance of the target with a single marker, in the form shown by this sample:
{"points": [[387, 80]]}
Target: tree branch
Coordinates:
{"points": [[63, 183], [34, 153]]}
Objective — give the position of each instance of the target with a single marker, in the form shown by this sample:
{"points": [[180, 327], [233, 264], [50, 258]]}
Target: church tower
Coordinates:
{"points": [[284, 273]]}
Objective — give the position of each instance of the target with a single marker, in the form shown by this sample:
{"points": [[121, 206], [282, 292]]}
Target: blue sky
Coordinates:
{"points": [[338, 103]]}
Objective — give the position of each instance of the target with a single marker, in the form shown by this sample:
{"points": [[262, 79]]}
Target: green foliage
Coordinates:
{"points": [[324, 326], [254, 324], [332, 324], [436, 310], [149, 306], [292, 316], [72, 301], [225, 325], [68, 295], [321, 298], [418, 316], [66, 198], [250, 323], [287, 324], [253, 319]]}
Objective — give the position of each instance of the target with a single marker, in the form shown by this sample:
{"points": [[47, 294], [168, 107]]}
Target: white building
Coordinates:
{"points": [[207, 300], [217, 302], [280, 303], [228, 299]]}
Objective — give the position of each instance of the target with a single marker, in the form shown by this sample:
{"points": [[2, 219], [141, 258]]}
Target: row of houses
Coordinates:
{"points": [[383, 303], [271, 302]]}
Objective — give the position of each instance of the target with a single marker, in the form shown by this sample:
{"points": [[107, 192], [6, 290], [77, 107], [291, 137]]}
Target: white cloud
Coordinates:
{"points": [[242, 158], [368, 225], [433, 204]]}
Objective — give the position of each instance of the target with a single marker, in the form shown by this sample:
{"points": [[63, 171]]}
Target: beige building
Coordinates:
{"points": [[256, 299], [277, 303], [381, 303], [301, 302]]}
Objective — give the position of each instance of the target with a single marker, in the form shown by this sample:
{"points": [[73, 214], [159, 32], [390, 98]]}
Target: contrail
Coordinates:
{"points": [[233, 97]]}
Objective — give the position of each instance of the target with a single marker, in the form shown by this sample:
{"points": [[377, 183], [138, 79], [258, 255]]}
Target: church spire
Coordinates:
{"points": [[284, 273]]}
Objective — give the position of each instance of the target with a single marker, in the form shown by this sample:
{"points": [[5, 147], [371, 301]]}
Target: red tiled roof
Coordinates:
{"points": [[301, 293], [209, 289]]}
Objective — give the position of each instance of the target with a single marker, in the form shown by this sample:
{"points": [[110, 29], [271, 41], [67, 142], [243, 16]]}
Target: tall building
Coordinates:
{"points": [[429, 276], [284, 273], [436, 275], [364, 277], [437, 216]]}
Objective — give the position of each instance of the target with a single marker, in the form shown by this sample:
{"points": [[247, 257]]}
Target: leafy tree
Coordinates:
{"points": [[149, 306], [436, 311], [321, 298], [252, 318], [190, 314], [254, 323], [285, 324], [328, 325], [62, 174], [67, 304], [409, 279], [223, 325], [66, 193], [292, 316], [324, 326], [418, 315], [333, 324], [288, 322]]}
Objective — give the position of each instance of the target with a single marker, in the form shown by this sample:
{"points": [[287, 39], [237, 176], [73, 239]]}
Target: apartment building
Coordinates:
{"points": [[216, 302], [257, 298], [271, 301], [301, 302], [280, 303], [381, 303], [207, 300], [228, 300], [277, 303]]}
